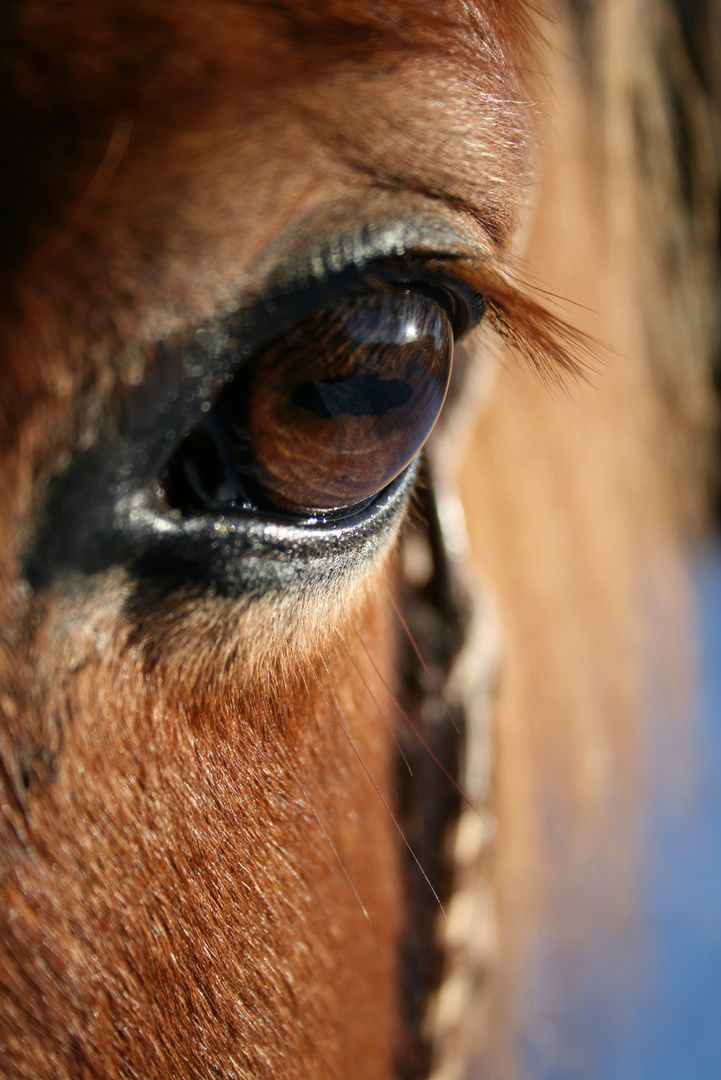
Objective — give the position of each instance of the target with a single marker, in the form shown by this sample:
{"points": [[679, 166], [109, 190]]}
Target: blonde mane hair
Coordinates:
{"points": [[578, 503]]}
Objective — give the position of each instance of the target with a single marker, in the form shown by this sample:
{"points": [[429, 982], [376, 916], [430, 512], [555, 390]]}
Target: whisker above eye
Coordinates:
{"points": [[555, 351]]}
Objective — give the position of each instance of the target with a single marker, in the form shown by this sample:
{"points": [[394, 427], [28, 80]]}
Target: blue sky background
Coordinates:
{"points": [[670, 1027]]}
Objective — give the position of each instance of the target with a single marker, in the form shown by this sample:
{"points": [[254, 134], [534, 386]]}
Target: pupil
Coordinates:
{"points": [[327, 415], [363, 394]]}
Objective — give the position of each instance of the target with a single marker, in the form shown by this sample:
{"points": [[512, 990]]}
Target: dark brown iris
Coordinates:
{"points": [[326, 416]]}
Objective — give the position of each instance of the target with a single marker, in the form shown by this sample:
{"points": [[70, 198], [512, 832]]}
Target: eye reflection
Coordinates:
{"points": [[326, 416]]}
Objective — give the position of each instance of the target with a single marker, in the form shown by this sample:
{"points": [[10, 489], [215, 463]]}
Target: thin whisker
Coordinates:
{"points": [[419, 736], [375, 785], [332, 846], [417, 651], [386, 721]]}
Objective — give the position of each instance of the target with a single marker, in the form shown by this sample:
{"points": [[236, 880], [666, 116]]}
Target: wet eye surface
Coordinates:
{"points": [[326, 416], [272, 447]]}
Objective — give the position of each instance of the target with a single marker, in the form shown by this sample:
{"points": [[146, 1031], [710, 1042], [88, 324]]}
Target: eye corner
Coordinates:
{"points": [[431, 276]]}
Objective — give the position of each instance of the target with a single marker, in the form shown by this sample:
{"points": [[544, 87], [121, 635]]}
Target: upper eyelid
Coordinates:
{"points": [[287, 302], [314, 250], [458, 244], [197, 361]]}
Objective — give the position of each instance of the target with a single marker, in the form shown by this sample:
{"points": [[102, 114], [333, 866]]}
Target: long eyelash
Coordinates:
{"points": [[554, 350]]}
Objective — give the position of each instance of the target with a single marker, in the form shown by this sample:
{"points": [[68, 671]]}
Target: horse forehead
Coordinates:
{"points": [[170, 99], [193, 139], [213, 190]]}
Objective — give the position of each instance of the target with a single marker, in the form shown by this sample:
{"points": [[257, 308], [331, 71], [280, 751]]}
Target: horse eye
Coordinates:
{"points": [[326, 416]]}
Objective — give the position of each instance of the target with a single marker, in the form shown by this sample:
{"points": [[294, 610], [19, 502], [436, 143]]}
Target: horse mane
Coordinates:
{"points": [[581, 505]]}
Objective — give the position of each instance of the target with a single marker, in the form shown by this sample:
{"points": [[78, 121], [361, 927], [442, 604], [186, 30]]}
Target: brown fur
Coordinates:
{"points": [[200, 870]]}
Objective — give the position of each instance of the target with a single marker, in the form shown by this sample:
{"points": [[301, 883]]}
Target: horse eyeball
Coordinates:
{"points": [[326, 416]]}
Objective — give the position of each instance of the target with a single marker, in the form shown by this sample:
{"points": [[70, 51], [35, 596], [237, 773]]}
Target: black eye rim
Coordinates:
{"points": [[181, 493], [248, 556], [285, 307], [103, 509], [464, 306]]}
